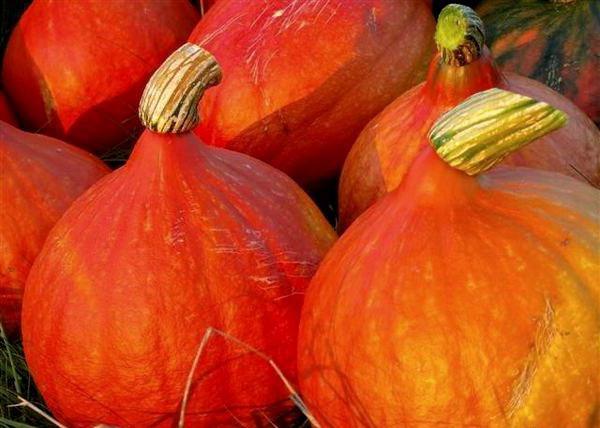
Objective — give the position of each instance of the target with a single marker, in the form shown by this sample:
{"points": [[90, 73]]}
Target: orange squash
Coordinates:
{"points": [[39, 179], [462, 300], [75, 70], [302, 78], [182, 238], [384, 151]]}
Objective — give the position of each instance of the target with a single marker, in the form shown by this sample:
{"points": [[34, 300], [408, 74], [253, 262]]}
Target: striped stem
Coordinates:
{"points": [[169, 103], [490, 125]]}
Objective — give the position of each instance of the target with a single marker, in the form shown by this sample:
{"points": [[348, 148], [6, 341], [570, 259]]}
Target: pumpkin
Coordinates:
{"points": [[302, 78], [556, 42], [76, 70], [182, 238], [39, 177], [384, 151], [6, 113], [459, 299]]}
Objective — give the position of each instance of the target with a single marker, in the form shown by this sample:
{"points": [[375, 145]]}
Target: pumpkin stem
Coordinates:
{"points": [[459, 35], [169, 103], [490, 125]]}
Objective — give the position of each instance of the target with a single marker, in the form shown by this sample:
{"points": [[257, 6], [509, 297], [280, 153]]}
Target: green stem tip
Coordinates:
{"points": [[490, 125], [459, 35]]}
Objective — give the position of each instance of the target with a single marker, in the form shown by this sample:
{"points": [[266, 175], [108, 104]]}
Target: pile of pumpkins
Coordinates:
{"points": [[198, 284]]}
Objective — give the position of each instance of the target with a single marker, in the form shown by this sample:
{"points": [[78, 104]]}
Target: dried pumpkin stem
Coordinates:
{"points": [[489, 126], [459, 35], [169, 103]]}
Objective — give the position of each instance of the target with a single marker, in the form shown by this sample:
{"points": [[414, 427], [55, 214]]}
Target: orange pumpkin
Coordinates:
{"points": [[182, 238], [384, 151], [302, 78], [462, 300], [75, 70], [39, 179]]}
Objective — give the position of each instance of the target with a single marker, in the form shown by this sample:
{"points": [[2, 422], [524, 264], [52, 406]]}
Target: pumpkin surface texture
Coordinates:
{"points": [[385, 149], [39, 179], [182, 238], [556, 42], [6, 113], [302, 78], [75, 70], [462, 300]]}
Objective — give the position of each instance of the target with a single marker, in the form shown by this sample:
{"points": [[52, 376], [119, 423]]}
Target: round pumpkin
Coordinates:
{"points": [[182, 238], [6, 113], [462, 300], [556, 42], [302, 78], [39, 179], [76, 70], [385, 149]]}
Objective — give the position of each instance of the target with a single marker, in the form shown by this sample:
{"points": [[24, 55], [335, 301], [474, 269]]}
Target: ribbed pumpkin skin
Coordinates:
{"points": [[459, 301], [182, 238], [302, 78], [6, 113], [39, 179], [556, 43], [76, 70], [389, 144]]}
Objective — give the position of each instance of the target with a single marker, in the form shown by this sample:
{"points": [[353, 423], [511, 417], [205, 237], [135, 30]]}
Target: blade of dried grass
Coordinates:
{"points": [[268, 419], [210, 331], [24, 403]]}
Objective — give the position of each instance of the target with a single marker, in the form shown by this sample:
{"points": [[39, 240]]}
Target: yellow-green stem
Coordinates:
{"points": [[490, 125], [459, 35]]}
